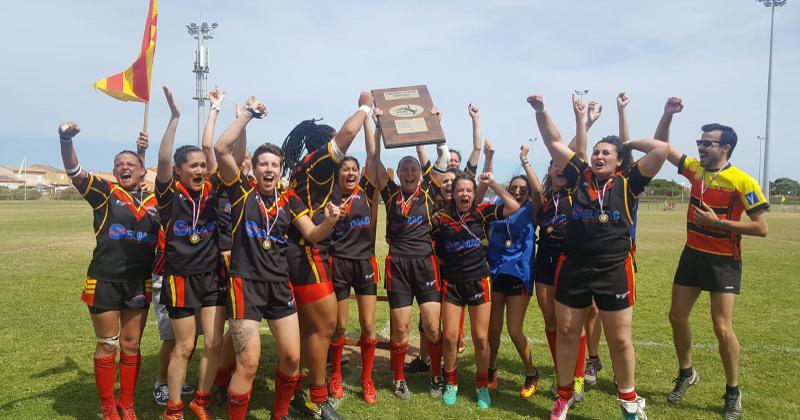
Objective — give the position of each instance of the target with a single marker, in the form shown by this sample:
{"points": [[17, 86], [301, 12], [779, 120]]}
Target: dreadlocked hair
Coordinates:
{"points": [[305, 137], [623, 153], [181, 153]]}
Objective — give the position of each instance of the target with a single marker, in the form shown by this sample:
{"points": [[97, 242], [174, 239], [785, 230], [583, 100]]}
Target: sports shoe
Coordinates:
{"points": [[681, 385], [335, 385], [187, 389], [590, 371], [417, 366], [202, 413], [578, 389], [161, 393], [370, 396], [401, 390], [560, 409], [633, 410], [529, 386], [484, 400], [176, 416], [450, 394], [437, 386], [304, 406], [109, 411], [127, 412], [328, 412], [733, 406], [492, 380]]}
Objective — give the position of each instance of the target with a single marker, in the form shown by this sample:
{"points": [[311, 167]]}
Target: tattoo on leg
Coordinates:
{"points": [[241, 335]]}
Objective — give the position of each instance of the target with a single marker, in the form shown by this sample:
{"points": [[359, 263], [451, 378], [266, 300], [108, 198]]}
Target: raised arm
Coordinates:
{"points": [[673, 106], [240, 147], [488, 156], [374, 169], [215, 97], [142, 142], [350, 128], [550, 135], [315, 233], [164, 172], [509, 204], [579, 108], [593, 112], [475, 154], [622, 102], [226, 145], [66, 131], [422, 156], [534, 184], [655, 153]]}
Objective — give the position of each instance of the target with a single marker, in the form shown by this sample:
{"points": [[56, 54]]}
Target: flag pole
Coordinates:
{"points": [[139, 151]]}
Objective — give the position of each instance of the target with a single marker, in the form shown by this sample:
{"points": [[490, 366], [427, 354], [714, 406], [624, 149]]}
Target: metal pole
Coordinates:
{"points": [[765, 180], [200, 93], [760, 139]]}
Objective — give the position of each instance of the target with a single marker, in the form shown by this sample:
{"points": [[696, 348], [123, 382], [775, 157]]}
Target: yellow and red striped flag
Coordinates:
{"points": [[133, 84]]}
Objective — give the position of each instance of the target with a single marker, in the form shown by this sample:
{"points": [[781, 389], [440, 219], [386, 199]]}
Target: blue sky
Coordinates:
{"points": [[311, 59]]}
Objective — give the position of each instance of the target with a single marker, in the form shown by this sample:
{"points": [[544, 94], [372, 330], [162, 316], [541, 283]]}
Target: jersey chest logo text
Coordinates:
{"points": [[119, 232]]}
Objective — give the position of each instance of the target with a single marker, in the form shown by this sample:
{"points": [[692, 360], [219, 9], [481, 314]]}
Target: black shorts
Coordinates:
{"points": [[103, 296], [192, 292], [361, 275], [257, 300], [612, 285], [468, 293], [544, 267], [714, 273], [412, 277], [509, 285]]}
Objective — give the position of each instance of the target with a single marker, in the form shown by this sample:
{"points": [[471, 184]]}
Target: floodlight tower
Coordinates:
{"points": [[772, 4], [581, 93], [201, 33]]}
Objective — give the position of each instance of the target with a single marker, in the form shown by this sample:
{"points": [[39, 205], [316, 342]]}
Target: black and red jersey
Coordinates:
{"points": [[315, 180], [588, 238], [409, 216], [552, 221], [125, 228], [256, 218], [461, 242], [352, 235], [224, 240], [178, 207]]}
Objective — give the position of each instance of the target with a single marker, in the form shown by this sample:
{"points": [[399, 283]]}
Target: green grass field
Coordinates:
{"points": [[46, 339]]}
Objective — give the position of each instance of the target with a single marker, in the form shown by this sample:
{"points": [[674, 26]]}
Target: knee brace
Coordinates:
{"points": [[111, 341]]}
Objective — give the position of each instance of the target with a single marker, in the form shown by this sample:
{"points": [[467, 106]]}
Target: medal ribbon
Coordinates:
{"points": [[703, 186], [601, 196], [346, 204], [405, 205], [263, 210], [196, 210], [464, 225]]}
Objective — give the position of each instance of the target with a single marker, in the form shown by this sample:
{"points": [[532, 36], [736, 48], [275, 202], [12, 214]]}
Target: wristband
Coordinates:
{"points": [[255, 114], [74, 172], [66, 139], [215, 107], [540, 110], [525, 163], [444, 156], [366, 108]]}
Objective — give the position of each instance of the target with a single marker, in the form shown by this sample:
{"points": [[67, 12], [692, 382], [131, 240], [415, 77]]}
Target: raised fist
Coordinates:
{"points": [[622, 100], [473, 111], [332, 212], [256, 108], [578, 106], [674, 105], [365, 99], [142, 142], [488, 148], [68, 130], [523, 152], [486, 178], [537, 102], [215, 97], [594, 111]]}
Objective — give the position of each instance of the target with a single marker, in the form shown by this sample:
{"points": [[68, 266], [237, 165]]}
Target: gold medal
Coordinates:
{"points": [[267, 244], [194, 239], [509, 243], [602, 218], [485, 242], [549, 230]]}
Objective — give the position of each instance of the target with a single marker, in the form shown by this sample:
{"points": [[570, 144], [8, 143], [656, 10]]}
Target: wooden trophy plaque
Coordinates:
{"points": [[407, 118]]}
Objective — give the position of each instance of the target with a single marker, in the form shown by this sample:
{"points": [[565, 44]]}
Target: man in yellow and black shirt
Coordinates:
{"points": [[711, 259]]}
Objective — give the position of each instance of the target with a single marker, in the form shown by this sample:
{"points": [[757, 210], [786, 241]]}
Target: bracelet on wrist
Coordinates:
{"points": [[66, 139]]}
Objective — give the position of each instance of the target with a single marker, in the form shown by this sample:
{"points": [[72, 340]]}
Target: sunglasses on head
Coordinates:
{"points": [[705, 144]]}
